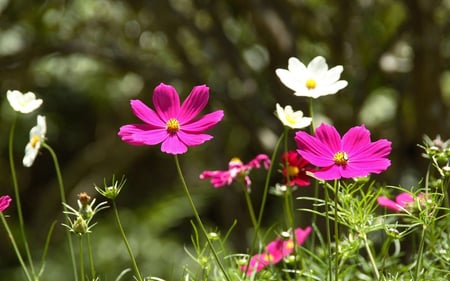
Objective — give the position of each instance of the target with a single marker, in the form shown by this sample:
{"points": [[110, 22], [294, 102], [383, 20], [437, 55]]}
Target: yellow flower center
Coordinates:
{"points": [[340, 158], [290, 245], [292, 170], [290, 119], [311, 84], [268, 257], [172, 126], [34, 141]]}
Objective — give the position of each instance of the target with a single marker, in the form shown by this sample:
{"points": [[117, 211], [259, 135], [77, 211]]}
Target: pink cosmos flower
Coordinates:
{"points": [[353, 155], [235, 170], [4, 202], [402, 201], [175, 126], [275, 251]]}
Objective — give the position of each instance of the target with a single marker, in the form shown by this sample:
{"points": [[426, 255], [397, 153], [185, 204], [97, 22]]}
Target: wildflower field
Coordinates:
{"points": [[234, 157]]}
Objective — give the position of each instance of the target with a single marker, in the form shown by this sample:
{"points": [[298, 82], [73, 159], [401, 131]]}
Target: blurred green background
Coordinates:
{"points": [[87, 58]]}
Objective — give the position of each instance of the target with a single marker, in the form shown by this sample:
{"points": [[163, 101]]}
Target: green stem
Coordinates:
{"points": [[63, 200], [251, 210], [336, 229], [420, 254], [17, 197], [125, 240], [267, 182], [372, 260], [80, 246], [91, 258], [327, 229], [197, 217], [16, 249], [316, 183]]}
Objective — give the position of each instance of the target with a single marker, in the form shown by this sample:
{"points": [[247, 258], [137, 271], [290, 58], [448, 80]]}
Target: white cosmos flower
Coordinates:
{"points": [[24, 103], [37, 137], [314, 80], [292, 119]]}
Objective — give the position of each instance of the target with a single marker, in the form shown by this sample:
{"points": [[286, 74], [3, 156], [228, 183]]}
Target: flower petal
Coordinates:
{"points": [[296, 67], [313, 150], [146, 114], [388, 203], [328, 173], [194, 103], [173, 145], [318, 66], [166, 101], [290, 79], [355, 139], [193, 139], [206, 122], [142, 134], [330, 137]]}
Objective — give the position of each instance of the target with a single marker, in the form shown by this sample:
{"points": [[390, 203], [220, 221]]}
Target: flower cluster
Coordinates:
{"points": [[276, 250], [236, 170]]}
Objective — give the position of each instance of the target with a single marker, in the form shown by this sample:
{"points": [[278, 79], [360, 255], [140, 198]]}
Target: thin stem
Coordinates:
{"points": [[125, 240], [372, 260], [316, 183], [336, 229], [16, 249], [80, 248], [267, 182], [197, 217], [17, 197], [91, 258], [63, 200], [420, 254], [327, 229], [251, 210]]}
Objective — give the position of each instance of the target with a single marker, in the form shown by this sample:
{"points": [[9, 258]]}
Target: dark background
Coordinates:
{"points": [[87, 59]]}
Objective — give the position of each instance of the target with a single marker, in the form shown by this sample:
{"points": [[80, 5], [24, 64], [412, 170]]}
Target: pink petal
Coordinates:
{"points": [[302, 234], [193, 139], [173, 145], [146, 114], [194, 103], [330, 137], [5, 200], [353, 171], [355, 139], [404, 198], [141, 134], [329, 173], [388, 203], [313, 150], [206, 122], [166, 101]]}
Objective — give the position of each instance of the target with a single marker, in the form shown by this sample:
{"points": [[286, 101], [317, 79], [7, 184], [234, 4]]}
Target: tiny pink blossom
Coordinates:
{"points": [[275, 251], [4, 202], [353, 155], [175, 126], [402, 201], [236, 169]]}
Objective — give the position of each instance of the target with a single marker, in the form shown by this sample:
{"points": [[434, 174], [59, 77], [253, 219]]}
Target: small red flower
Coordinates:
{"points": [[295, 168]]}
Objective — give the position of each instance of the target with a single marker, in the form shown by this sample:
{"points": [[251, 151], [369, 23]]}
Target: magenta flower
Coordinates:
{"points": [[175, 126], [352, 156], [275, 251], [4, 202], [402, 201], [236, 169]]}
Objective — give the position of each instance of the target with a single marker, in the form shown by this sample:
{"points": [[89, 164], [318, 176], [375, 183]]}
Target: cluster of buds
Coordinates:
{"points": [[439, 152], [82, 222]]}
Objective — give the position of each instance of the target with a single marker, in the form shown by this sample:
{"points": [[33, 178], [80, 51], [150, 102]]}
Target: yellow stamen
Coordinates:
{"points": [[34, 140], [268, 257], [290, 119], [290, 245], [340, 158], [172, 126], [311, 84], [292, 170]]}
